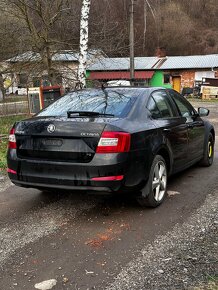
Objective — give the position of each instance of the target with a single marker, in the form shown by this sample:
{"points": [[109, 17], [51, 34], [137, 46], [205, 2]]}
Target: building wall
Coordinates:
{"points": [[190, 77], [187, 79], [158, 80], [204, 74]]}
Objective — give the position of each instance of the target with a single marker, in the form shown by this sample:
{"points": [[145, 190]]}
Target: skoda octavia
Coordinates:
{"points": [[111, 139]]}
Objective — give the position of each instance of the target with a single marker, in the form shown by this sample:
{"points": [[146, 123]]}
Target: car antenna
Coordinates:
{"points": [[103, 86]]}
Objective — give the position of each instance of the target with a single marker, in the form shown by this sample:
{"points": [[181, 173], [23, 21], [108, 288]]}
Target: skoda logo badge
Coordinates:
{"points": [[51, 128]]}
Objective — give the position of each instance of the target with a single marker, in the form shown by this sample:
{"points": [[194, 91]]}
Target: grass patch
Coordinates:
{"points": [[5, 125], [212, 284], [13, 99]]}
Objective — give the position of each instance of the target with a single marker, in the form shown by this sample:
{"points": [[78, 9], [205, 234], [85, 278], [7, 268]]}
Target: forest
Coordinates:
{"points": [[182, 27]]}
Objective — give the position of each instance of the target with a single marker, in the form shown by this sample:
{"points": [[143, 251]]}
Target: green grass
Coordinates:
{"points": [[5, 125], [14, 99]]}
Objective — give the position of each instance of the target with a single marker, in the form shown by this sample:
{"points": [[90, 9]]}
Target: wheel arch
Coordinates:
{"points": [[164, 152], [212, 131], [209, 129], [206, 159]]}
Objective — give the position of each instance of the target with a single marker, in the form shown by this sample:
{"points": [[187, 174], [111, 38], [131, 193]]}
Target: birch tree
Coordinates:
{"points": [[84, 37]]}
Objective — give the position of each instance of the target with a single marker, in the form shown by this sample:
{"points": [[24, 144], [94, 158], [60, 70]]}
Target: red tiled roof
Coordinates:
{"points": [[117, 75]]}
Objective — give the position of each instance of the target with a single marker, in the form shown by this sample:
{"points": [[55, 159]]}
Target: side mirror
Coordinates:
{"points": [[203, 112]]}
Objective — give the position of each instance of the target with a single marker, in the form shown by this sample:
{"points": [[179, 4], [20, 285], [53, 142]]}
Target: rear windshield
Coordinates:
{"points": [[108, 101]]}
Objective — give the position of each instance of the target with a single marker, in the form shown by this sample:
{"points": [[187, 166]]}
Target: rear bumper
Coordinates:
{"points": [[66, 175], [65, 187]]}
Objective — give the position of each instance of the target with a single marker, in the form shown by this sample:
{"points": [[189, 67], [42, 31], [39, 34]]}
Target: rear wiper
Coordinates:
{"points": [[71, 114]]}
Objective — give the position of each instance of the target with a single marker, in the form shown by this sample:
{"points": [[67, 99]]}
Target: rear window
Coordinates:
{"points": [[108, 101]]}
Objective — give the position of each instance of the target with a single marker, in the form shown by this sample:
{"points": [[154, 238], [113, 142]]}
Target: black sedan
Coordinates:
{"points": [[111, 139]]}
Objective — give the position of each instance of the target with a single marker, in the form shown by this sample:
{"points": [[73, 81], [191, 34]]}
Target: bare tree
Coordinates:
{"points": [[41, 40], [10, 40], [42, 21], [46, 27]]}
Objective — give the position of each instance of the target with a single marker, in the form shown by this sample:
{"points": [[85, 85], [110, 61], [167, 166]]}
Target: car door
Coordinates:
{"points": [[173, 129], [195, 126]]}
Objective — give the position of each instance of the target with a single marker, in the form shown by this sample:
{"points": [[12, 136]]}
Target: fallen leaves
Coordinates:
{"points": [[108, 235]]}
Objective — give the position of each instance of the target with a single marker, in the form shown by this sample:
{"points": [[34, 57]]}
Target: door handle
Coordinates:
{"points": [[166, 130]]}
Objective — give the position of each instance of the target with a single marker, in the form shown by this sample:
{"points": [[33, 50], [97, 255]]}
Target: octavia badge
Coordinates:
{"points": [[51, 128]]}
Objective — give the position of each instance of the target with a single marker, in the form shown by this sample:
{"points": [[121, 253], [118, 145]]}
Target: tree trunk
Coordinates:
{"points": [[2, 88], [47, 61], [84, 29]]}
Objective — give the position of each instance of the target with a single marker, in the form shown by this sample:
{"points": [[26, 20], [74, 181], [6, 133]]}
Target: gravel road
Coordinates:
{"points": [[77, 241], [185, 257]]}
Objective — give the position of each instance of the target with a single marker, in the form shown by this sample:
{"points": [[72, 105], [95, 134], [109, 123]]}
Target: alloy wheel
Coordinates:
{"points": [[210, 149], [159, 181]]}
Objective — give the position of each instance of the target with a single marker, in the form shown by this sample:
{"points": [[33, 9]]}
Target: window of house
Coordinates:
{"points": [[166, 78]]}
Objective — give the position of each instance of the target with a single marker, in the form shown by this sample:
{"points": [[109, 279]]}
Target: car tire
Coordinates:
{"points": [[154, 192], [207, 159]]}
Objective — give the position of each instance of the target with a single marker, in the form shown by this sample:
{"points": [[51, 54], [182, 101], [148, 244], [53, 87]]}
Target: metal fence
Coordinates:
{"points": [[14, 108]]}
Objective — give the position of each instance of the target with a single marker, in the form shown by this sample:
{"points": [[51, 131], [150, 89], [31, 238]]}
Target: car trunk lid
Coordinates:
{"points": [[60, 139]]}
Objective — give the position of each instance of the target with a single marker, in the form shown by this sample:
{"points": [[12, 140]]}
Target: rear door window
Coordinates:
{"points": [[160, 105], [185, 109]]}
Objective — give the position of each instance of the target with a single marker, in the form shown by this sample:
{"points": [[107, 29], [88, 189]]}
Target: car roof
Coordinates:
{"points": [[146, 89]]}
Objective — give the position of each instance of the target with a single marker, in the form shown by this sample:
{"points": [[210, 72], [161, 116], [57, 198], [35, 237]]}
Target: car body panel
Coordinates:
{"points": [[175, 134], [60, 152], [196, 138], [68, 173]]}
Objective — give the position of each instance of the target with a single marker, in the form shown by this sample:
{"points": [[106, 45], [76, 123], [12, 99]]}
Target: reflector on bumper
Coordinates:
{"points": [[108, 178], [11, 171]]}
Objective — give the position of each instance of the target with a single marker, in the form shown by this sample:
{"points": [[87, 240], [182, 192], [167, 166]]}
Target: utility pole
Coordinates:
{"points": [[131, 41]]}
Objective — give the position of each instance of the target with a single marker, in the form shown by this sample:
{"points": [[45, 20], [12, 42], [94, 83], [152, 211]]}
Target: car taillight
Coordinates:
{"points": [[12, 139], [114, 142]]}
